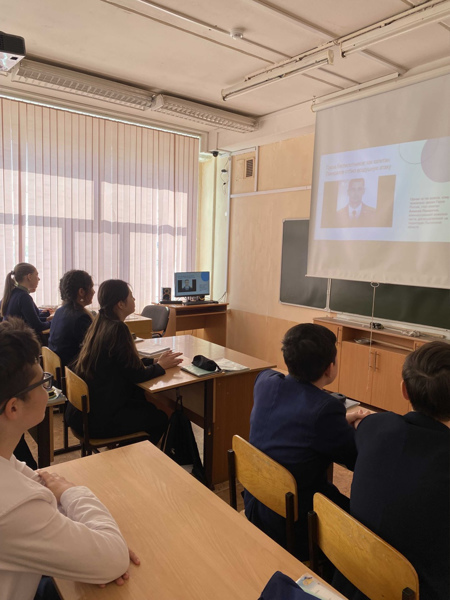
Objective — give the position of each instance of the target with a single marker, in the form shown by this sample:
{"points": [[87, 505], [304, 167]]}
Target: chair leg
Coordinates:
{"points": [[232, 478], [66, 432], [290, 511], [312, 541]]}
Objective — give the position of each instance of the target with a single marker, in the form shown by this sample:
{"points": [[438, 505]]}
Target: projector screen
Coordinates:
{"points": [[381, 188]]}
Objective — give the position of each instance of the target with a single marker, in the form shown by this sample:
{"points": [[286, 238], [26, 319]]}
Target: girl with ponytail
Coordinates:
{"points": [[71, 321], [110, 365], [17, 302]]}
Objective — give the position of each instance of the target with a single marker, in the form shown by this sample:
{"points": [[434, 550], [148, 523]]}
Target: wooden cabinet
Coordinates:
{"points": [[371, 372], [337, 330]]}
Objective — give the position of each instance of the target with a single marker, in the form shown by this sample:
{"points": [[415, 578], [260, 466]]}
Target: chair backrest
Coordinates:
{"points": [[263, 477], [159, 315], [371, 564], [76, 389], [52, 364]]}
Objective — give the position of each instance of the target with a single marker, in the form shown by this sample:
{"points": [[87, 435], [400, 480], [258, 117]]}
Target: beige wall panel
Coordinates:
{"points": [[255, 249], [241, 184], [260, 335], [286, 164], [247, 333]]}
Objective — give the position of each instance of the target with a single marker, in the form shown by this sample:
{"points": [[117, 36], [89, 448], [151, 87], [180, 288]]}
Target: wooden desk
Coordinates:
{"points": [[219, 403], [141, 326], [192, 545], [209, 321]]}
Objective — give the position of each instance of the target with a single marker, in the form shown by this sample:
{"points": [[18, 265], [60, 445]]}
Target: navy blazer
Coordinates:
{"points": [[304, 428], [21, 305], [401, 491], [67, 331]]}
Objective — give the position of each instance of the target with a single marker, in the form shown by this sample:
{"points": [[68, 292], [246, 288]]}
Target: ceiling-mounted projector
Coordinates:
{"points": [[12, 50]]}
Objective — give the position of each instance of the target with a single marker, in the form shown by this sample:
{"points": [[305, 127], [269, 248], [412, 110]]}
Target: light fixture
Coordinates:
{"points": [[64, 80], [295, 66], [422, 15], [222, 119]]}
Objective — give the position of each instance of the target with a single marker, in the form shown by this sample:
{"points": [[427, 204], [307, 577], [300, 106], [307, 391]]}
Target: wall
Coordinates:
{"points": [[212, 222], [257, 321]]}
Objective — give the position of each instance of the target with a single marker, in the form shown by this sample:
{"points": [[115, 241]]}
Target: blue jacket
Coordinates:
{"points": [[67, 331], [21, 305], [303, 428]]}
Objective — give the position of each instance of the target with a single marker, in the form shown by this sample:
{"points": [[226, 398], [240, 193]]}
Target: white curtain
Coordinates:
{"points": [[80, 192]]}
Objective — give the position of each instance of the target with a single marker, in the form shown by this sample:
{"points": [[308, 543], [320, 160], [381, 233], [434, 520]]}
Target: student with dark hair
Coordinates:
{"points": [[17, 302], [401, 484], [71, 321], [302, 427], [47, 524], [110, 365]]}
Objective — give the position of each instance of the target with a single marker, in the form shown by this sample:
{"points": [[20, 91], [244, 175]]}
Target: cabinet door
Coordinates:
{"points": [[355, 373], [334, 386], [386, 383]]}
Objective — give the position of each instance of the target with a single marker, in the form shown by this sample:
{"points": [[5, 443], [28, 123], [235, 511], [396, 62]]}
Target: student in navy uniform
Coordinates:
{"points": [[301, 426], [17, 302], [401, 484], [71, 321], [109, 363]]}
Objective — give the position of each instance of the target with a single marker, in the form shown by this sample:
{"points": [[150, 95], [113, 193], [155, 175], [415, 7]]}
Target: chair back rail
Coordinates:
{"points": [[76, 389], [52, 364], [263, 477], [377, 569]]}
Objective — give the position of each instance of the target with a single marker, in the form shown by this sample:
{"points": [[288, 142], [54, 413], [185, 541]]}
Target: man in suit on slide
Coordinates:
{"points": [[356, 213]]}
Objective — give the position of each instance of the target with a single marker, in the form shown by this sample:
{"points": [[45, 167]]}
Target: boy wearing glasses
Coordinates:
{"points": [[47, 524]]}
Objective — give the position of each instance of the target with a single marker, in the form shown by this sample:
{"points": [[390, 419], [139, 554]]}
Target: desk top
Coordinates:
{"points": [[192, 545], [136, 317], [190, 346]]}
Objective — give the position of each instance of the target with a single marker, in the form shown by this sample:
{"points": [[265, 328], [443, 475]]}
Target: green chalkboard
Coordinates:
{"points": [[405, 303], [295, 287]]}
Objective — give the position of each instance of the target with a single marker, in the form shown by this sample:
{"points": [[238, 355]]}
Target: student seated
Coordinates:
{"points": [[17, 302], [302, 427], [71, 321], [47, 524], [110, 365], [401, 484]]}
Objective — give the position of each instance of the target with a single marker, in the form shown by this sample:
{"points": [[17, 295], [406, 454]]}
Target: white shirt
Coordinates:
{"points": [[77, 539]]}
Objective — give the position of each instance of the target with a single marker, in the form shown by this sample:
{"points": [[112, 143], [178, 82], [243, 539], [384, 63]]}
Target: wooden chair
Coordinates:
{"points": [[51, 363], [371, 564], [266, 480], [78, 396]]}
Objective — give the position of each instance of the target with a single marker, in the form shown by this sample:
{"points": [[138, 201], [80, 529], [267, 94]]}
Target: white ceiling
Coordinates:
{"points": [[132, 42]]}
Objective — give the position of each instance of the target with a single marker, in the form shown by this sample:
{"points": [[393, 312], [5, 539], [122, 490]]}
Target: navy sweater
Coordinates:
{"points": [[21, 305], [67, 331]]}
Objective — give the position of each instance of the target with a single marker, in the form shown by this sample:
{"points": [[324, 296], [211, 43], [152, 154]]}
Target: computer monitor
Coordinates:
{"points": [[190, 284]]}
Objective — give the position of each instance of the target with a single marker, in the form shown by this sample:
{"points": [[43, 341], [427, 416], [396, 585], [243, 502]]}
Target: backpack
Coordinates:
{"points": [[179, 443]]}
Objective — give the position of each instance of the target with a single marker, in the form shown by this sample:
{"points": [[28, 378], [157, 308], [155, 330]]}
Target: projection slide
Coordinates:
{"points": [[392, 193]]}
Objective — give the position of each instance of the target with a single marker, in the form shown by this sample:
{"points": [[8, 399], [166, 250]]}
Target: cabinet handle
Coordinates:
{"points": [[376, 361]]}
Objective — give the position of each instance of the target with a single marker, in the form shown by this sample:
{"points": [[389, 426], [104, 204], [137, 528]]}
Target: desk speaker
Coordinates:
{"points": [[166, 294]]}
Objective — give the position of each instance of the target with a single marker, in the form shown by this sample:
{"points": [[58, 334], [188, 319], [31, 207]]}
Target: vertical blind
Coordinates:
{"points": [[82, 192]]}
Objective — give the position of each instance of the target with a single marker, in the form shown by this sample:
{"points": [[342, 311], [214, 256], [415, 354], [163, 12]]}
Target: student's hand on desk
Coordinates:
{"points": [[355, 417], [169, 359], [121, 580], [55, 483]]}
